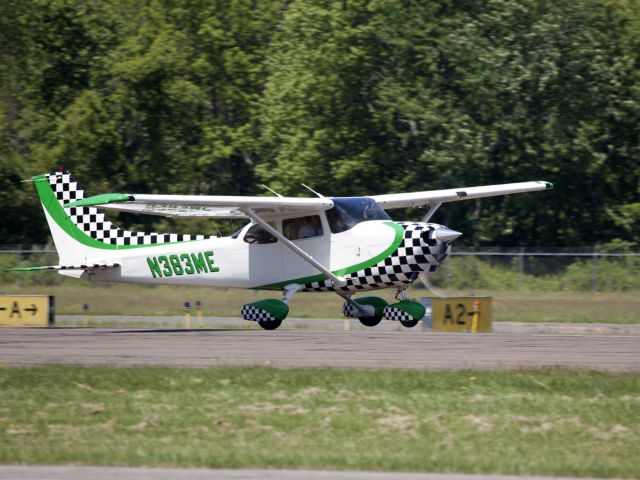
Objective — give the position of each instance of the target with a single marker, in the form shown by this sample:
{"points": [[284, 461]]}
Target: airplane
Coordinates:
{"points": [[345, 245]]}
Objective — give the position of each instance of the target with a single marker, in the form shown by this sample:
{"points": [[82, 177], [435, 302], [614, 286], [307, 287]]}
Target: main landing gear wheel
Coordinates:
{"points": [[370, 321], [409, 323], [269, 324]]}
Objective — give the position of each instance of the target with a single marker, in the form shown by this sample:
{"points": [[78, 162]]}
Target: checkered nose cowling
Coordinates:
{"points": [[93, 223], [418, 252]]}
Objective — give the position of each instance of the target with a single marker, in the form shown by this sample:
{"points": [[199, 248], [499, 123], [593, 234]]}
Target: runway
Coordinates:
{"points": [[410, 349], [50, 472]]}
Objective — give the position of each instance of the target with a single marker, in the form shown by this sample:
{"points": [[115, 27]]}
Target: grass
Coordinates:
{"points": [[539, 422], [509, 305], [576, 307]]}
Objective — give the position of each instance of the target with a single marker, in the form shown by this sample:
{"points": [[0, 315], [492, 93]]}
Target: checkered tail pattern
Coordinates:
{"points": [[93, 223]]}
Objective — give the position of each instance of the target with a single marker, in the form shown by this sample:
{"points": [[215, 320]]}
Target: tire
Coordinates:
{"points": [[269, 324], [370, 321], [409, 323]]}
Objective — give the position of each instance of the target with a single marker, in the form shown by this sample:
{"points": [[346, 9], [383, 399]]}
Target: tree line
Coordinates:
{"points": [[352, 97]]}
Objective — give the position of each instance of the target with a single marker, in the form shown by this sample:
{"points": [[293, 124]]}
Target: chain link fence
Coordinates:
{"points": [[481, 268], [546, 270]]}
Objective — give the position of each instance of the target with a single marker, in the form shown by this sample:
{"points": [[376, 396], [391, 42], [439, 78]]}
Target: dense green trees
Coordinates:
{"points": [[353, 97]]}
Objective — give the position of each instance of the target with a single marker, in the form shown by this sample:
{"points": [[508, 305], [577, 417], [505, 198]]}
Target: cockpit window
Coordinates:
{"points": [[302, 227], [257, 234], [348, 212]]}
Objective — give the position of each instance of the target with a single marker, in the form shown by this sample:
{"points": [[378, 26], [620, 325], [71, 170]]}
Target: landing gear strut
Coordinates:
{"points": [[401, 292]]}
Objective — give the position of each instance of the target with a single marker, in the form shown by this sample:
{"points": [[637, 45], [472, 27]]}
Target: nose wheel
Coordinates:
{"points": [[409, 323]]}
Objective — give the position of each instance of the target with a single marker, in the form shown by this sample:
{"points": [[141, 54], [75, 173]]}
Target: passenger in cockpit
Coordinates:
{"points": [[311, 227]]}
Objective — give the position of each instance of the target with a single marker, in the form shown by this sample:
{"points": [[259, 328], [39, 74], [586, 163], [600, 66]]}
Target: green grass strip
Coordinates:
{"points": [[539, 422]]}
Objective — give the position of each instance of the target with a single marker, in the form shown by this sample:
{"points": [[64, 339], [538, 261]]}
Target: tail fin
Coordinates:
{"points": [[81, 234]]}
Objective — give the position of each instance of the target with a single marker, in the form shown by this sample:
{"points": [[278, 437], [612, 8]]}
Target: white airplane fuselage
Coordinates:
{"points": [[370, 255]]}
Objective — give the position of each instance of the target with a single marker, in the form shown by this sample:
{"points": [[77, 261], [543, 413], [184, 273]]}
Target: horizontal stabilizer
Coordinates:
{"points": [[103, 199], [90, 266]]}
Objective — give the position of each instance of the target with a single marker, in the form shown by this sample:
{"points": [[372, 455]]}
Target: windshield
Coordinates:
{"points": [[350, 211]]}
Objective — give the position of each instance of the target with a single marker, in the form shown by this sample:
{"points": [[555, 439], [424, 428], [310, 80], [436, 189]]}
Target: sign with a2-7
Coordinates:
{"points": [[26, 310], [461, 314]]}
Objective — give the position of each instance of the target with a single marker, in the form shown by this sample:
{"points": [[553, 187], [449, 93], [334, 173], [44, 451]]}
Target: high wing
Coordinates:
{"points": [[436, 197], [272, 207], [206, 205]]}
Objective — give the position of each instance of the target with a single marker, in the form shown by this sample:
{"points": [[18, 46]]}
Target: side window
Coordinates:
{"points": [[257, 234], [302, 227]]}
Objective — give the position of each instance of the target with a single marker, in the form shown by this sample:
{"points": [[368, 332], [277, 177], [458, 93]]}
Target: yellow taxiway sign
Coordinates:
{"points": [[26, 310], [461, 314]]}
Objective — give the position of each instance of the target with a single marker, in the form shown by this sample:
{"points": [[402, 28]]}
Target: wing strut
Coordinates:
{"points": [[431, 211], [337, 281]]}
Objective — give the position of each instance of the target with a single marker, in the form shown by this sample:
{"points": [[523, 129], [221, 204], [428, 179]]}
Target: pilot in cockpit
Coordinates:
{"points": [[310, 227]]}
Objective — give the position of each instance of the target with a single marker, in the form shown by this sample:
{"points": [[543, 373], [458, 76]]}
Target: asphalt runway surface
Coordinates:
{"points": [[123, 473], [409, 349], [322, 324]]}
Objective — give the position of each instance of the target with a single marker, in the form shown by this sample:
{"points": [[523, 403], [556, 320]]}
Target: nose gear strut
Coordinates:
{"points": [[401, 292]]}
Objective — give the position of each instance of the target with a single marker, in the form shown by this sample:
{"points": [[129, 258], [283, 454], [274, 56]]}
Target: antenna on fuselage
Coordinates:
{"points": [[272, 191], [312, 190]]}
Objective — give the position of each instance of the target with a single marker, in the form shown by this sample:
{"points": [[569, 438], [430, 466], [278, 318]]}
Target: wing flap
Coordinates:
{"points": [[205, 205]]}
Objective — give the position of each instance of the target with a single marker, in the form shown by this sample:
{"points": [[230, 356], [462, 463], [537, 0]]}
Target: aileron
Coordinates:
{"points": [[432, 197]]}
